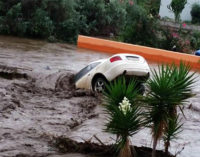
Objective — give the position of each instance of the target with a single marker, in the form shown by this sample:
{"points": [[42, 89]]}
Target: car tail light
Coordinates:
{"points": [[116, 58]]}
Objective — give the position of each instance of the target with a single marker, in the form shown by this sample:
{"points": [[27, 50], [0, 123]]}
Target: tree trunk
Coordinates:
{"points": [[167, 143], [126, 150], [133, 151], [154, 147]]}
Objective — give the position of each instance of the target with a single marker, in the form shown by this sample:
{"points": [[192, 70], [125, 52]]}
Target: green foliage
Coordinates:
{"points": [[93, 13], [100, 18], [175, 41], [140, 27], [130, 21], [124, 114], [123, 124], [14, 20], [195, 40], [172, 131], [1, 6], [195, 13], [41, 24], [169, 88], [115, 17], [120, 88], [59, 10], [153, 7], [63, 19], [68, 30], [4, 28], [177, 6]]}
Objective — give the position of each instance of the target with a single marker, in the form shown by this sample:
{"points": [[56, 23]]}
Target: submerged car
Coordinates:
{"points": [[96, 74]]}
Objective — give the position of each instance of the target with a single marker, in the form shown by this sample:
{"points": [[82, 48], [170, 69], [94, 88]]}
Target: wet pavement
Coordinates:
{"points": [[46, 104]]}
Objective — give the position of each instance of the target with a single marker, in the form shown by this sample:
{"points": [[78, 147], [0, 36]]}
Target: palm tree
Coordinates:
{"points": [[173, 129], [169, 88], [120, 88], [124, 116]]}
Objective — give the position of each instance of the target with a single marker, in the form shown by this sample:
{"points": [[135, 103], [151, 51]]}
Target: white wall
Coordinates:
{"points": [[185, 15]]}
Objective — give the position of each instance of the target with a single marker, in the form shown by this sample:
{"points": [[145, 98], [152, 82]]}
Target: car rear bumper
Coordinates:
{"points": [[127, 70]]}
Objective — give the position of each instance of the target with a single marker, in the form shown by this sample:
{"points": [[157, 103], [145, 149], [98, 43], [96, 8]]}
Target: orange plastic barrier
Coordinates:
{"points": [[151, 54]]}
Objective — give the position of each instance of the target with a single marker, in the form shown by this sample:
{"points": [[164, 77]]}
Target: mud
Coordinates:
{"points": [[31, 109], [11, 73], [66, 145], [39, 101]]}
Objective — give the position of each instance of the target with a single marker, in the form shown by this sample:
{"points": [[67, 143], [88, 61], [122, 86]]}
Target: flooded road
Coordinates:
{"points": [[46, 103]]}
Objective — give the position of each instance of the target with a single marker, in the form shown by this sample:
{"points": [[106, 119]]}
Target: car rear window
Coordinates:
{"points": [[85, 70], [132, 58]]}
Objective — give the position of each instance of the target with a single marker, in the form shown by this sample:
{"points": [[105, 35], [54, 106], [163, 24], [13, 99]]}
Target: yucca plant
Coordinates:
{"points": [[174, 127], [124, 121], [169, 88], [183, 82], [124, 116], [120, 88]]}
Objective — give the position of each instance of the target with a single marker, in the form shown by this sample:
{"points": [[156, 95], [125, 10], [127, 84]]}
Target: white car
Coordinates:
{"points": [[96, 74]]}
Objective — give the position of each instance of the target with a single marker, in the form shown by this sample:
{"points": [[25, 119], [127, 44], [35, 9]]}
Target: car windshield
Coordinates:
{"points": [[85, 70]]}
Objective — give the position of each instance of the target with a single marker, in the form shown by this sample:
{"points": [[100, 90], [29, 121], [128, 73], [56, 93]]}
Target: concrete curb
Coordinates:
{"points": [[151, 54]]}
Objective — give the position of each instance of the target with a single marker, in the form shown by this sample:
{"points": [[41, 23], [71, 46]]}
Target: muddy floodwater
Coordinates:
{"points": [[38, 101]]}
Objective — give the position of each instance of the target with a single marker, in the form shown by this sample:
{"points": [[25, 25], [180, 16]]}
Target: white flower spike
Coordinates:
{"points": [[125, 105]]}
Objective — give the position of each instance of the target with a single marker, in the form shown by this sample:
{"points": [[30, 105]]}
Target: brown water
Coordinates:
{"points": [[46, 104]]}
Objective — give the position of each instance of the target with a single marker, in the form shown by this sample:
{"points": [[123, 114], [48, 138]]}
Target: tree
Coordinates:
{"points": [[174, 126], [169, 88], [124, 115], [177, 6]]}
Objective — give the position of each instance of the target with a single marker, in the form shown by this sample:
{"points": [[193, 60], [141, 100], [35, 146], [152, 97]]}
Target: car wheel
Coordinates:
{"points": [[99, 85]]}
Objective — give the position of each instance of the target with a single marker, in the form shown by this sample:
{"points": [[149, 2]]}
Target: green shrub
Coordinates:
{"points": [[36, 18], [64, 17], [175, 41], [195, 13], [68, 30], [153, 7], [195, 40], [94, 13], [15, 22], [59, 10], [4, 28], [140, 27], [1, 7], [29, 7], [173, 129], [41, 24], [100, 18], [115, 17], [169, 88], [124, 114]]}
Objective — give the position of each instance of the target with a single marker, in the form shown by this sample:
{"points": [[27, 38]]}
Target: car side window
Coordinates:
{"points": [[86, 70]]}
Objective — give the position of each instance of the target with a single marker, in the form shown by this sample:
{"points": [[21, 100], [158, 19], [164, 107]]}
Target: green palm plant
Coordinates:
{"points": [[124, 116], [169, 88], [120, 88], [124, 121], [183, 82], [173, 129]]}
